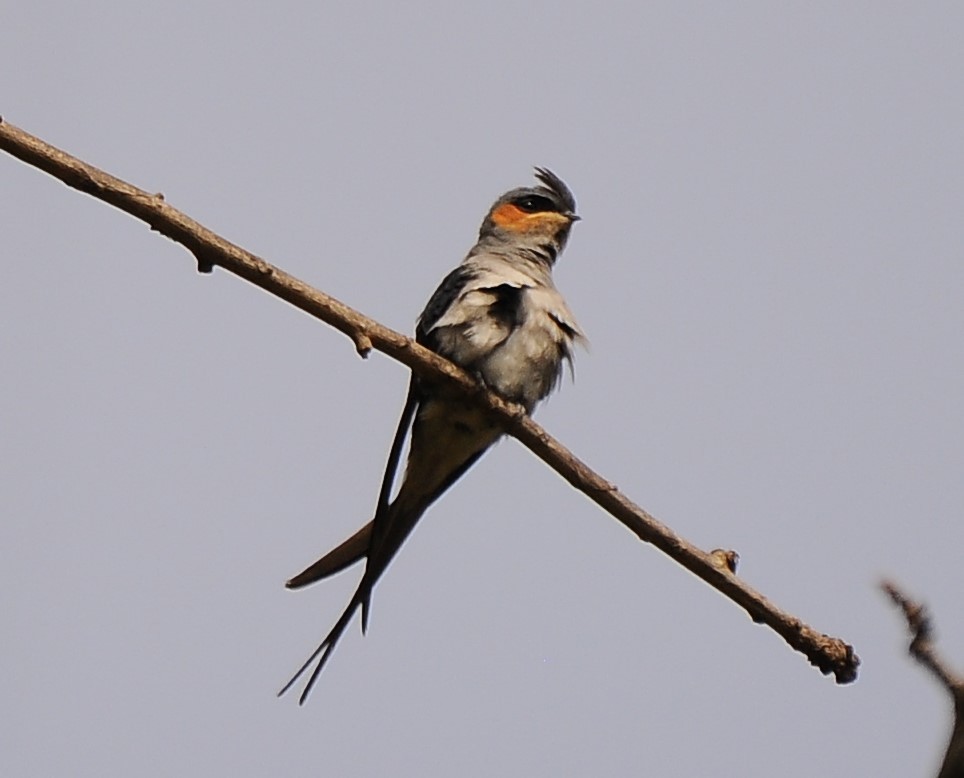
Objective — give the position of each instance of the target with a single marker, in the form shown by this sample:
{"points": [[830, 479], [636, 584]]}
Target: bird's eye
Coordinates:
{"points": [[535, 204]]}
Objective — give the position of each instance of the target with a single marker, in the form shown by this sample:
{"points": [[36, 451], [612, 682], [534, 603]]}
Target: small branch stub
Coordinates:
{"points": [[363, 344]]}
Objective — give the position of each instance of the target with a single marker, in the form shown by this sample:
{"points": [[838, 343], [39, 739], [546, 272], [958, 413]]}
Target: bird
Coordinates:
{"points": [[499, 316]]}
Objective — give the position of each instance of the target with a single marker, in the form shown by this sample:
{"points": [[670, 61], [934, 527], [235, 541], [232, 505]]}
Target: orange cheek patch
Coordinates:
{"points": [[509, 216]]}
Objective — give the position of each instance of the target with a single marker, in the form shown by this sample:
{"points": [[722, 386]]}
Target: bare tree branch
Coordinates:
{"points": [[922, 649], [829, 654]]}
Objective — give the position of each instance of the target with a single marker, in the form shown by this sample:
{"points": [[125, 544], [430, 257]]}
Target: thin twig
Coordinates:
{"points": [[922, 649], [829, 654]]}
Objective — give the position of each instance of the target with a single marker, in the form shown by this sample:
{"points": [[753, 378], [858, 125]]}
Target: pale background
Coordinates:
{"points": [[770, 269]]}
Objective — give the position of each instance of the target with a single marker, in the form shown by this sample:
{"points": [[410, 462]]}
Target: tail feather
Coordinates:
{"points": [[446, 441], [352, 550]]}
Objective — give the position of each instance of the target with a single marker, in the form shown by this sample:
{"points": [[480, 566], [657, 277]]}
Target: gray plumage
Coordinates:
{"points": [[499, 316]]}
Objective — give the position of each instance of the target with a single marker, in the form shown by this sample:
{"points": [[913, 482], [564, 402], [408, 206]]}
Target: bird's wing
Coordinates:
{"points": [[474, 310]]}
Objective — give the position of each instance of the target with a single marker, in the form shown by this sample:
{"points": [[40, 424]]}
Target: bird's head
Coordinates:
{"points": [[537, 216]]}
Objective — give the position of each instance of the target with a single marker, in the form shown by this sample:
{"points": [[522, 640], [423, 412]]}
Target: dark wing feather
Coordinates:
{"points": [[442, 299]]}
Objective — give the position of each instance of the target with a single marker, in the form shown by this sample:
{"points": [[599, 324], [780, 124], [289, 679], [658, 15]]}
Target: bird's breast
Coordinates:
{"points": [[526, 365]]}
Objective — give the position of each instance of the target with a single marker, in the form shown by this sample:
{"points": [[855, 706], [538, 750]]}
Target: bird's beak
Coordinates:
{"points": [[572, 217]]}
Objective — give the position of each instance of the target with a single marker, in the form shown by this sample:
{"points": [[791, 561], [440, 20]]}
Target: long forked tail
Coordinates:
{"points": [[401, 520], [441, 453]]}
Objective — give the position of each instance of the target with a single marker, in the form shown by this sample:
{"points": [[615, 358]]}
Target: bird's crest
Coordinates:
{"points": [[556, 187]]}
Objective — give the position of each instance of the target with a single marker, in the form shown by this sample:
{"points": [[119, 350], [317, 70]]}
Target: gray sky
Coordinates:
{"points": [[769, 269]]}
